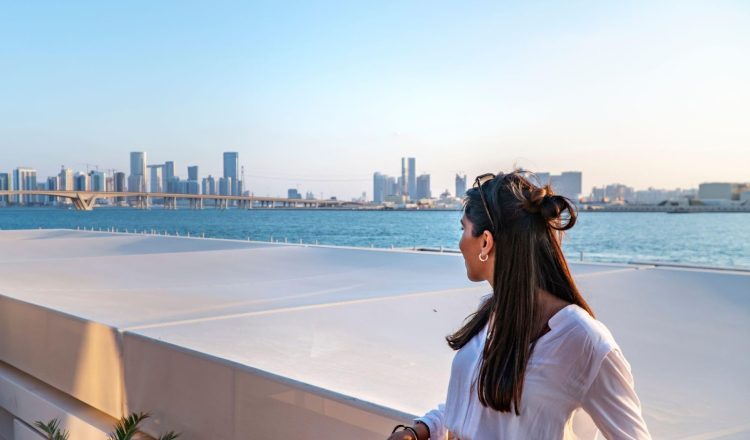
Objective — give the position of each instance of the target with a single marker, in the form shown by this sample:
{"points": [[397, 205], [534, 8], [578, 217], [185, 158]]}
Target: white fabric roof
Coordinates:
{"points": [[370, 324]]}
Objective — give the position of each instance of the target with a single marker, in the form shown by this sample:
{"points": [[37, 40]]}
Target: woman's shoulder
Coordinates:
{"points": [[577, 326]]}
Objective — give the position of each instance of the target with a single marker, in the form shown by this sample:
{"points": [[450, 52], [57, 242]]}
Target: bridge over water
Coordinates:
{"points": [[85, 200]]}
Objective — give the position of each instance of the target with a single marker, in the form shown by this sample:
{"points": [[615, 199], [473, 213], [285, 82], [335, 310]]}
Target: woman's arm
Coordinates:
{"points": [[428, 427], [612, 403]]}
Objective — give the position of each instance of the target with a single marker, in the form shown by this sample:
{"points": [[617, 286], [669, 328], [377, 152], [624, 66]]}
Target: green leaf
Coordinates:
{"points": [[127, 427], [52, 429]]}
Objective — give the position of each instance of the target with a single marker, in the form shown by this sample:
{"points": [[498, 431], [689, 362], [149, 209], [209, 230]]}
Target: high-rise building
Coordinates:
{"points": [[231, 173], [423, 187], [119, 185], [98, 181], [81, 182], [460, 185], [24, 179], [156, 174], [65, 179], [409, 177], [378, 187], [5, 185], [567, 184], [412, 188], [138, 181], [53, 184], [193, 186], [193, 172], [225, 186], [168, 182], [292, 193], [209, 185]]}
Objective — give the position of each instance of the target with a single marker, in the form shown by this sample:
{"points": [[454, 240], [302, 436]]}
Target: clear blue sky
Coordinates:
{"points": [[319, 95]]}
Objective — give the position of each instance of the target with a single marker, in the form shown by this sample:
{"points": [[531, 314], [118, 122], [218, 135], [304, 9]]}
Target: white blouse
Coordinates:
{"points": [[576, 366]]}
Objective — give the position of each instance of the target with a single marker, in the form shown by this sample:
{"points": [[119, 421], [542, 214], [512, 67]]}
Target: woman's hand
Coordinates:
{"points": [[402, 435]]}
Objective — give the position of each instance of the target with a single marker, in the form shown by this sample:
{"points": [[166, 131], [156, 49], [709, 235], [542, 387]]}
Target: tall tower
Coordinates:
{"points": [[413, 179], [231, 171], [137, 182]]}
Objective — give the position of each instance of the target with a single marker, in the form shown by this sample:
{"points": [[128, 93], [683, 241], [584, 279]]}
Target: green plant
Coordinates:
{"points": [[125, 429], [52, 429]]}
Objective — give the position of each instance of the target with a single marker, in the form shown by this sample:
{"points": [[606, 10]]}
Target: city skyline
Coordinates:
{"points": [[196, 182], [319, 95]]}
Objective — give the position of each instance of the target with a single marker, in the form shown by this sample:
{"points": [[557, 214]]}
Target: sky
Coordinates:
{"points": [[319, 95]]}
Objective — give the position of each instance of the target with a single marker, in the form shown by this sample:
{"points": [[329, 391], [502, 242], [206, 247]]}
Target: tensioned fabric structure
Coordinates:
{"points": [[224, 339]]}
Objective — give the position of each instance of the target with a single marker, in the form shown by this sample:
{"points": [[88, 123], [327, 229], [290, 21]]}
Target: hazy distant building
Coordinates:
{"points": [[309, 195], [156, 178], [409, 177], [53, 184], [722, 191], [292, 193], [378, 187], [98, 181], [65, 177], [384, 186], [138, 181], [225, 186], [192, 186], [24, 179], [231, 174], [5, 185], [119, 185], [568, 183], [209, 185], [168, 182], [423, 187], [460, 185], [81, 182], [715, 191]]}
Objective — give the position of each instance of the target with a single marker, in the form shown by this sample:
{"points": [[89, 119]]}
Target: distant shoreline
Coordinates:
{"points": [[584, 208]]}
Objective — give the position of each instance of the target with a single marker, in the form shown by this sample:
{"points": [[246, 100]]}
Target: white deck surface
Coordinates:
{"points": [[365, 325]]}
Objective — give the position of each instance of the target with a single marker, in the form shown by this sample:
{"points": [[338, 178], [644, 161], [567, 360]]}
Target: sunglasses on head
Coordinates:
{"points": [[478, 182]]}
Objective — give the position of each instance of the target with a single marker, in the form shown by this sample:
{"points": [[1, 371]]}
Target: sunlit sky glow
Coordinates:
{"points": [[318, 96]]}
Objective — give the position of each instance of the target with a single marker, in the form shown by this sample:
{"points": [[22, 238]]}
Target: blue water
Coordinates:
{"points": [[721, 239]]}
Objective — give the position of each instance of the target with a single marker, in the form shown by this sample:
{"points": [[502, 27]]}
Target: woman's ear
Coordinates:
{"points": [[488, 242]]}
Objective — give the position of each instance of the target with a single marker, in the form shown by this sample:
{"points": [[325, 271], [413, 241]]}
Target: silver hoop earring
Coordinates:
{"points": [[486, 257]]}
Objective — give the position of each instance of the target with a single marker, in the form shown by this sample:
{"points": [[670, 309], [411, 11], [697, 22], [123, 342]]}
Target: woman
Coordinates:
{"points": [[532, 356]]}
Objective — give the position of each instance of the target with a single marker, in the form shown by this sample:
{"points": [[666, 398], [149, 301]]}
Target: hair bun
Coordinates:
{"points": [[535, 200], [552, 206]]}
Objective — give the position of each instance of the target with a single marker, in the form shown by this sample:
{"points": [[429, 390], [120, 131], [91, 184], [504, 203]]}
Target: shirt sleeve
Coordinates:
{"points": [[435, 421], [612, 403]]}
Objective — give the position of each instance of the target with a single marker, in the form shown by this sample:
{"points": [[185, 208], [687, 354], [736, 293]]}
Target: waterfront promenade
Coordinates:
{"points": [[226, 339]]}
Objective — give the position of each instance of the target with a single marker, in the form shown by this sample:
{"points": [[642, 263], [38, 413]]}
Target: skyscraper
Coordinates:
{"points": [[423, 187], [168, 182], [157, 173], [378, 187], [209, 185], [231, 171], [193, 186], [5, 185], [24, 179], [409, 177], [137, 182], [568, 184], [98, 181], [412, 179], [119, 185], [460, 185], [65, 179]]}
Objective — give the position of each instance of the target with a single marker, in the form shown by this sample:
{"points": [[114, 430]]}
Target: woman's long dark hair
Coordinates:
{"points": [[529, 221]]}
